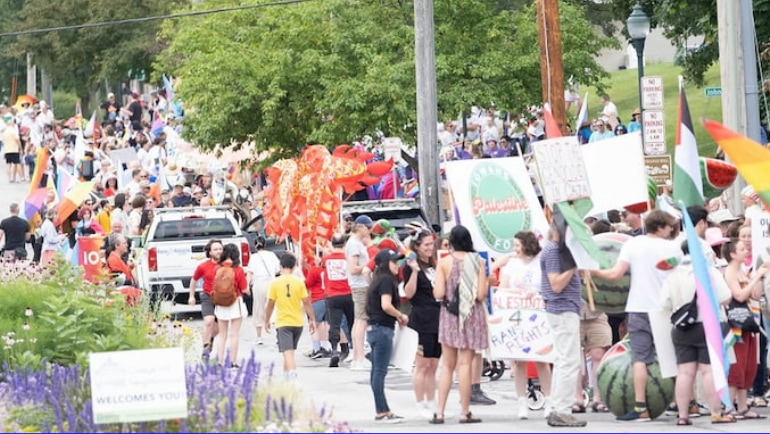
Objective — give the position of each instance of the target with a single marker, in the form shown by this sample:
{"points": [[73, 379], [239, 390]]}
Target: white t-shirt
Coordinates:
{"points": [[264, 265], [354, 247], [650, 259], [523, 276]]}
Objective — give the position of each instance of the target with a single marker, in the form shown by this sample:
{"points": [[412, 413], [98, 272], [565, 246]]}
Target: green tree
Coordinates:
{"points": [[79, 60], [323, 72], [10, 66]]}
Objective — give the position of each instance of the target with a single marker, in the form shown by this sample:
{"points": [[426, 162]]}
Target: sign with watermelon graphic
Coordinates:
{"points": [[519, 329], [495, 199], [611, 296], [717, 175]]}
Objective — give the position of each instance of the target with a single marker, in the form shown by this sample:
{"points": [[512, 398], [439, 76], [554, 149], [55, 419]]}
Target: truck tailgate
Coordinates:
{"points": [[178, 258]]}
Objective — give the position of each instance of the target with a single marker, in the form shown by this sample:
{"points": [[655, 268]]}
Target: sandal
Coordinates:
{"points": [[470, 419], [723, 418], [578, 408], [748, 414], [436, 420], [599, 407], [759, 402], [682, 421]]}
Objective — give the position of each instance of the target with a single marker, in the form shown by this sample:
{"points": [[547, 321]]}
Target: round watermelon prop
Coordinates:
{"points": [[717, 175], [611, 296], [616, 385]]}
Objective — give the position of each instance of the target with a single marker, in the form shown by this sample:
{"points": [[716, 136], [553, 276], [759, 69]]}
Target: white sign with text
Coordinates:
{"points": [[654, 128], [563, 174], [519, 329], [760, 237], [652, 92], [138, 385]]}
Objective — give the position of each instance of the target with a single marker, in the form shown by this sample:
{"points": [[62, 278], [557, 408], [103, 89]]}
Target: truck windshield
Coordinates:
{"points": [[194, 228]]}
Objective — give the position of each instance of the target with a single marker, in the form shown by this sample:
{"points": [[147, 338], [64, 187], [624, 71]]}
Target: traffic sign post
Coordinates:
{"points": [[652, 93], [654, 132]]}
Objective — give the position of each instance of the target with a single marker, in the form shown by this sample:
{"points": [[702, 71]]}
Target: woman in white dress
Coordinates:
{"points": [[231, 317], [522, 274]]}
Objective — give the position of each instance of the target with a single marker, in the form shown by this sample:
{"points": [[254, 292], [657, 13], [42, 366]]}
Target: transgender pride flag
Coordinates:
{"points": [[708, 310]]}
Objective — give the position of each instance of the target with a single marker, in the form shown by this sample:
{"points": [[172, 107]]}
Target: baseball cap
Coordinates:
{"points": [[387, 255], [722, 216], [364, 219], [714, 237]]}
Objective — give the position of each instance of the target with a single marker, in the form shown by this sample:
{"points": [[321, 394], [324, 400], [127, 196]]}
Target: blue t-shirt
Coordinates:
{"points": [[569, 299]]}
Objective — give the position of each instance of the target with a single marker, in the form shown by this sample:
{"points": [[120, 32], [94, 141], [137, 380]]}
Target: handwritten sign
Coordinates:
{"points": [[563, 174], [391, 148], [139, 385], [519, 329]]}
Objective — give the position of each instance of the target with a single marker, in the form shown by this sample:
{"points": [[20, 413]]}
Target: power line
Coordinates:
{"points": [[155, 18]]}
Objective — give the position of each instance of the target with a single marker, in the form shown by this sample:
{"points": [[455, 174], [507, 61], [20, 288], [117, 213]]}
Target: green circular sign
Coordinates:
{"points": [[498, 205]]}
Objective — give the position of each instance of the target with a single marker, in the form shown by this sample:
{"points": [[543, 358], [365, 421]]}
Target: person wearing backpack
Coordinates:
{"points": [[229, 307], [288, 295]]}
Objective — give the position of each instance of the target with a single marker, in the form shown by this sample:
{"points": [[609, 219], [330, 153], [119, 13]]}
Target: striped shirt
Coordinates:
{"points": [[569, 299]]}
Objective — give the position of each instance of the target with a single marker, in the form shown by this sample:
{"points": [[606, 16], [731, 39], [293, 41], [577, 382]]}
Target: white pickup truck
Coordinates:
{"points": [[174, 246]]}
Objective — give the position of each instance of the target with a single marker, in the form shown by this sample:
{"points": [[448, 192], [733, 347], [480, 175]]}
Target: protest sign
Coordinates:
{"points": [[561, 169], [519, 329]]}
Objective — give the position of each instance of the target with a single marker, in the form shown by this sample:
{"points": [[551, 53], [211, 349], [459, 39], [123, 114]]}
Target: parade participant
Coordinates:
{"points": [[461, 285], [117, 246], [382, 311], [339, 299], [560, 290], [357, 258], [206, 270], [522, 274], [16, 232], [229, 318], [419, 275], [314, 283], [650, 258], [288, 296], [745, 287], [690, 344], [263, 267]]}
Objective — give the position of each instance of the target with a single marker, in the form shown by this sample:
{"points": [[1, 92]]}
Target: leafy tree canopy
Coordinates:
{"points": [[321, 72]]}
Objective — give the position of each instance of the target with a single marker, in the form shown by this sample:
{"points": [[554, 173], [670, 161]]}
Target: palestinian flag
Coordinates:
{"points": [[688, 186]]}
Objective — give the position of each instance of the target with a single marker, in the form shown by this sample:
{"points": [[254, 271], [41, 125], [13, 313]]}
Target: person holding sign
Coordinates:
{"points": [[522, 274], [561, 291], [461, 286]]}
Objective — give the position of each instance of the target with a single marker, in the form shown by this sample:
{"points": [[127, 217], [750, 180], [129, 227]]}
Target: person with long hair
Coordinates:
{"points": [[52, 239], [522, 274], [119, 213], [461, 281], [419, 275], [382, 306], [230, 317], [744, 288]]}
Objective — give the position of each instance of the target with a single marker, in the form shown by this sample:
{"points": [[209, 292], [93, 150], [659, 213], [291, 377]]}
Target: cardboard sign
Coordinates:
{"points": [[89, 257], [563, 174], [495, 199], [138, 386], [519, 329]]}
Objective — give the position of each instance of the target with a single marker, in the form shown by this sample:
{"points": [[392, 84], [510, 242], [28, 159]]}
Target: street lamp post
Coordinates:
{"points": [[638, 25]]}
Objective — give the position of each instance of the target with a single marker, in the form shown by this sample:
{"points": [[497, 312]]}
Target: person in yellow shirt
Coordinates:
{"points": [[103, 216], [288, 295]]}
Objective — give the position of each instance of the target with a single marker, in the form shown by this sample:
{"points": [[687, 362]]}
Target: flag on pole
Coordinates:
{"points": [[551, 127], [169, 87], [582, 117], [157, 124], [708, 310], [688, 186]]}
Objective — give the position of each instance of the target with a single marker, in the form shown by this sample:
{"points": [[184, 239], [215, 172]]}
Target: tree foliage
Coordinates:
{"points": [[322, 72], [79, 60]]}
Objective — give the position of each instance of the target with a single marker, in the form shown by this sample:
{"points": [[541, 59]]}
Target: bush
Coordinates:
{"points": [[53, 315]]}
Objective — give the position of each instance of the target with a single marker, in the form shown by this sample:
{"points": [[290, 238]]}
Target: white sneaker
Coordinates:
{"points": [[360, 365], [547, 408], [425, 410], [523, 409], [348, 359]]}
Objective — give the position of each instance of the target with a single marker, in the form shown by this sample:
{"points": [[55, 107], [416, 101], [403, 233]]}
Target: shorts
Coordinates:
{"points": [[207, 307], [640, 338], [359, 302], [288, 337], [690, 345], [319, 309], [12, 158], [428, 345], [595, 333]]}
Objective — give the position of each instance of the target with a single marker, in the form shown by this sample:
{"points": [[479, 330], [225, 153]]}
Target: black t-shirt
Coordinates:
{"points": [[425, 309], [15, 229], [111, 111], [136, 112], [382, 285]]}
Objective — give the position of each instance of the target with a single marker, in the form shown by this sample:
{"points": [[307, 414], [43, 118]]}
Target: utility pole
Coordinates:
{"points": [[551, 68], [427, 111], [31, 76]]}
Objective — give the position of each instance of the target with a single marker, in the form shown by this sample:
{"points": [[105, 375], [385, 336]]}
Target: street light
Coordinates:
{"points": [[638, 25]]}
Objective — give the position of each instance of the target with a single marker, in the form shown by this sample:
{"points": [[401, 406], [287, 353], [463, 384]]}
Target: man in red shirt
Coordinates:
{"points": [[207, 270], [339, 299], [314, 284]]}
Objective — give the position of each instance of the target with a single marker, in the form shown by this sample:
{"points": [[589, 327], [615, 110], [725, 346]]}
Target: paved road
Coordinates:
{"points": [[348, 395]]}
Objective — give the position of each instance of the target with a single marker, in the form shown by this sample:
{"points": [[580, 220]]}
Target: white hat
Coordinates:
{"points": [[722, 216]]}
